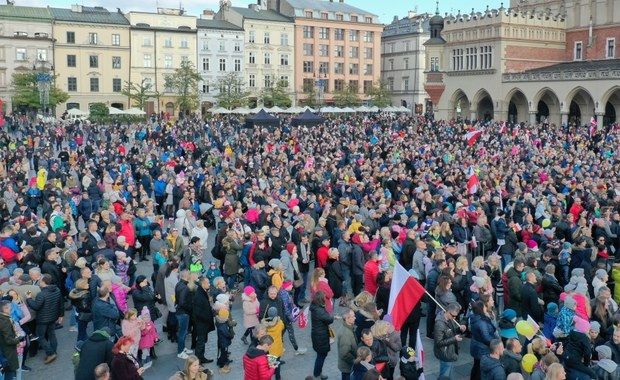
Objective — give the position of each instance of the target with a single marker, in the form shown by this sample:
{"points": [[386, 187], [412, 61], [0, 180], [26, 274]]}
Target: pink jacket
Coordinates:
{"points": [[120, 294], [250, 311], [131, 328], [149, 335], [329, 293]]}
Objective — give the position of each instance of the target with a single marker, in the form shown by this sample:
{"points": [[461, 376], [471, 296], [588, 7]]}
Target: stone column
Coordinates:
{"points": [[532, 117], [599, 121], [564, 117]]}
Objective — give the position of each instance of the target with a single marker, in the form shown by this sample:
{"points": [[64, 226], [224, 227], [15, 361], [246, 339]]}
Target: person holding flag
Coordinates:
{"points": [[447, 338]]}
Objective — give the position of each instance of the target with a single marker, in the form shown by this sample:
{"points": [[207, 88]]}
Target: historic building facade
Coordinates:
{"points": [[91, 55], [221, 47], [403, 60], [159, 43]]}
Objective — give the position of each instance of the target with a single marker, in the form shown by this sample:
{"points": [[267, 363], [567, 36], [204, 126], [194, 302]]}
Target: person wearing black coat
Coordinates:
{"points": [[203, 318], [529, 299], [409, 248], [382, 298], [96, 350], [50, 309], [144, 295], [550, 285], [431, 285], [333, 273], [511, 358], [577, 353], [320, 320], [50, 267], [8, 339]]}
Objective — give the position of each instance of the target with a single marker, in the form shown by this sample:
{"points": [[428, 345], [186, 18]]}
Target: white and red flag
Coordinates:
{"points": [[472, 137], [473, 184], [405, 293]]}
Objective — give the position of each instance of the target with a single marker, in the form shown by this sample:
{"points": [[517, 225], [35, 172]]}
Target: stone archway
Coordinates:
{"points": [[580, 106], [483, 105], [547, 106], [459, 105], [518, 107], [170, 108], [611, 101]]}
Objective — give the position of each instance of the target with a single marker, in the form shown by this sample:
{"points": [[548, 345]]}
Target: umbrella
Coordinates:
{"points": [[241, 110], [292, 110], [348, 110], [403, 109], [219, 110], [134, 111], [373, 109], [362, 109], [256, 110], [115, 111], [389, 109], [275, 109], [76, 112]]}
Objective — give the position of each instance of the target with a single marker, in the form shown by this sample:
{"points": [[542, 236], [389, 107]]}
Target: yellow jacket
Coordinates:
{"points": [[275, 329]]}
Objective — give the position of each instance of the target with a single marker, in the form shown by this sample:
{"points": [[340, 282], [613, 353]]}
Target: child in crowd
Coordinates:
{"points": [[564, 259], [132, 327], [551, 320], [213, 272], [225, 334], [408, 364], [148, 335], [251, 308], [120, 293]]}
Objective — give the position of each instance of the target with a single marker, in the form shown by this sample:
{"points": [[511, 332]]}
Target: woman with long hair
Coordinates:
{"points": [[461, 281], [124, 365], [443, 291], [483, 331], [361, 364], [192, 371], [170, 282], [318, 282], [556, 372], [322, 333], [602, 315], [382, 298]]}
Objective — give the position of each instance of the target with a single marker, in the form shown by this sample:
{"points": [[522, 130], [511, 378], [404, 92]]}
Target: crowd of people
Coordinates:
{"points": [[520, 225]]}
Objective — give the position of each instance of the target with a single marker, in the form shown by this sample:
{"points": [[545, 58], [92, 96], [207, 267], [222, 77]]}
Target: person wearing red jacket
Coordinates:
{"points": [[127, 229], [323, 252], [371, 271], [256, 365]]}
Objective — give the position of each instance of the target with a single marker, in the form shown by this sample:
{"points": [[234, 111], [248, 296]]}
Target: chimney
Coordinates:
{"points": [[253, 7], [207, 14], [76, 8]]}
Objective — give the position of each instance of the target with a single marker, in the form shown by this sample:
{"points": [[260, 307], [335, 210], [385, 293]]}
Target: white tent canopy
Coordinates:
{"points": [[403, 109], [115, 111], [373, 109], [348, 110], [134, 111], [241, 111], [76, 112], [219, 110], [303, 109], [362, 109], [274, 109]]}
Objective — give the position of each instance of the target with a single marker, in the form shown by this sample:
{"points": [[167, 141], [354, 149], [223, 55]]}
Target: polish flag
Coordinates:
{"points": [[502, 124], [472, 183], [419, 353], [515, 130], [472, 137], [592, 126], [405, 293]]}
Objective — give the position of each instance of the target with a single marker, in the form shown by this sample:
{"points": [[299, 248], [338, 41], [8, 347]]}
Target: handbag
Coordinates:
{"points": [[85, 317], [185, 232], [299, 281]]}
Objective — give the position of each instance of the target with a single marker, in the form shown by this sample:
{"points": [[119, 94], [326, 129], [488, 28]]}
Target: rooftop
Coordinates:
{"points": [[216, 24], [94, 15], [407, 26], [328, 6], [265, 15], [13, 11], [580, 66]]}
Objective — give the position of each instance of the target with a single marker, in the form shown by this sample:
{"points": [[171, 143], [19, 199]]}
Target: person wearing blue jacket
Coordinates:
{"points": [[483, 331]]}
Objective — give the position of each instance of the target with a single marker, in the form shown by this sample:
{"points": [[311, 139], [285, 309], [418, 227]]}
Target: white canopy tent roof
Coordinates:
{"points": [[274, 109], [115, 111], [241, 111], [134, 111], [219, 110], [76, 112]]}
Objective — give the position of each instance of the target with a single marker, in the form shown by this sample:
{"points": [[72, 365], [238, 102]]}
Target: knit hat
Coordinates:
{"points": [[600, 273], [569, 287], [274, 263], [479, 281], [566, 245], [406, 353], [286, 284], [509, 314], [532, 245], [595, 326], [272, 312], [577, 272], [581, 325], [581, 288], [552, 308], [145, 312], [521, 246], [223, 313], [80, 263], [604, 352], [248, 290], [570, 303], [222, 298], [290, 247]]}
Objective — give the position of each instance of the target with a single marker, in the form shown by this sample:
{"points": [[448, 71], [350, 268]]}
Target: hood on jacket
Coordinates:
{"points": [[254, 352], [608, 365], [244, 297], [488, 363], [513, 355], [512, 272], [75, 294], [181, 213], [100, 335]]}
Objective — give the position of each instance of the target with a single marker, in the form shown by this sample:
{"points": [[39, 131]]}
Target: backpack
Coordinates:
{"points": [[69, 284], [217, 252]]}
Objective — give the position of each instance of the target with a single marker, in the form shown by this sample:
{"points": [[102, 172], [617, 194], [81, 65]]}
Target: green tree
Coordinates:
{"points": [[277, 95], [347, 97], [139, 94], [99, 109], [380, 94], [184, 84], [309, 92], [231, 94], [26, 91]]}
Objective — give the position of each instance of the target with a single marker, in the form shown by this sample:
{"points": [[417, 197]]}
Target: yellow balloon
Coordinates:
{"points": [[528, 362], [525, 328]]}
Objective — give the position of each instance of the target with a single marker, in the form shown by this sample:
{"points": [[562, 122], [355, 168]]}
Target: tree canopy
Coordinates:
{"points": [[347, 97], [231, 93], [380, 94], [277, 95], [184, 85], [139, 94], [26, 91]]}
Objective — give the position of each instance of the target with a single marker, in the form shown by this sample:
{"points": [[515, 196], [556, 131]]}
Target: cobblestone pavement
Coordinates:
{"points": [[296, 367]]}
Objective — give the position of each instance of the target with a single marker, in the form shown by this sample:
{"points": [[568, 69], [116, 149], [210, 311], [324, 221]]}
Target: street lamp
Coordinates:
{"points": [[44, 83]]}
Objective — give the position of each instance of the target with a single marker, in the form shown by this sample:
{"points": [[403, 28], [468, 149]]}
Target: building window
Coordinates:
{"points": [[308, 85], [405, 84], [116, 40], [308, 67], [71, 62], [368, 20], [339, 17], [406, 63], [353, 18], [42, 55], [611, 48], [368, 69], [251, 36], [267, 58], [168, 61], [252, 82], [391, 84], [237, 65], [486, 57], [168, 42], [148, 60], [184, 58], [94, 84], [324, 50], [578, 51], [237, 46], [390, 48], [283, 59], [266, 38], [323, 67], [205, 45], [391, 64], [252, 58], [339, 51], [308, 14], [116, 85], [434, 63], [267, 81], [339, 85], [368, 53], [367, 86], [308, 49], [116, 62], [205, 88], [72, 84], [222, 64], [94, 61], [284, 80], [71, 38], [368, 36], [338, 68], [184, 42], [339, 34], [353, 68], [324, 15], [284, 39], [146, 41], [222, 46], [354, 85], [354, 35], [308, 31], [324, 33], [205, 64], [407, 45], [457, 58], [92, 38], [354, 52]]}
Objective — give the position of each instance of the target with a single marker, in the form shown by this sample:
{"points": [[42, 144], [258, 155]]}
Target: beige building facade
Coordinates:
{"points": [[92, 55], [159, 43]]}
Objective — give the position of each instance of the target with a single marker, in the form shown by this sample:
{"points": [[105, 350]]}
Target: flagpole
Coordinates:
{"points": [[441, 307]]}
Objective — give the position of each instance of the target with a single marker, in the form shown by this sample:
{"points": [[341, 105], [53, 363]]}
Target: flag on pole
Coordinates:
{"points": [[405, 293], [502, 124], [592, 126], [419, 352], [515, 130], [303, 318], [472, 183], [472, 137]]}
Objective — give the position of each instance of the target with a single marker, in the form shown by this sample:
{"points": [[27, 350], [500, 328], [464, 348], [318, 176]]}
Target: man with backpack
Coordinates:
{"points": [[94, 351]]}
